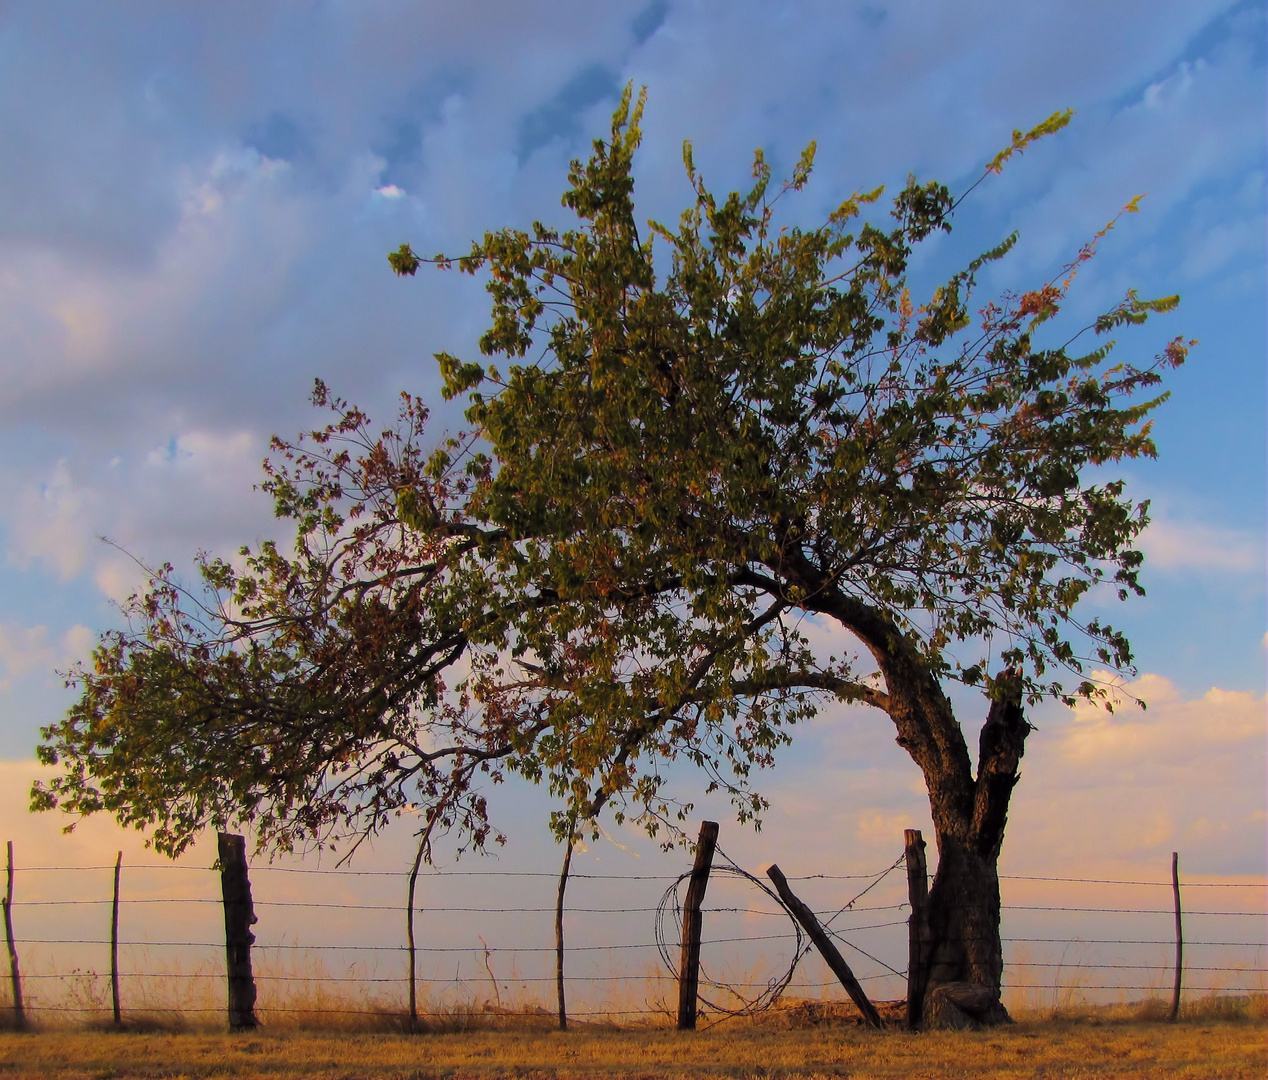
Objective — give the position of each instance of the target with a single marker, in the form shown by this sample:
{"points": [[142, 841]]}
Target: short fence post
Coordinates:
{"points": [[235, 887], [19, 1012], [692, 924], [114, 943], [831, 955], [1175, 893], [917, 895]]}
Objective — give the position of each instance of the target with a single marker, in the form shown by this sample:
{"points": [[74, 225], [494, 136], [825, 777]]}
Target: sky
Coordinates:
{"points": [[197, 201]]}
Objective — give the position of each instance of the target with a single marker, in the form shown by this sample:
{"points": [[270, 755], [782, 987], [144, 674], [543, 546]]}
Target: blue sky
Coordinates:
{"points": [[196, 203]]}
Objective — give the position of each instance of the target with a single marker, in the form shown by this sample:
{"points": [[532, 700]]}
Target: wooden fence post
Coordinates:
{"points": [[19, 1012], [235, 887], [1175, 893], [559, 929], [917, 895], [114, 943], [692, 924], [409, 935], [802, 913]]}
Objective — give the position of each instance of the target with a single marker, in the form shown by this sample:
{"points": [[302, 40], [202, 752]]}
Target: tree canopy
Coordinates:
{"points": [[682, 443]]}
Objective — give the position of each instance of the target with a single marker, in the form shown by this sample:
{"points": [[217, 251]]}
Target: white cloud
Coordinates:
{"points": [[1165, 92], [1165, 728], [22, 648], [52, 525], [191, 492], [1192, 545], [1189, 774], [1222, 243], [118, 577], [1102, 794], [25, 649], [877, 829]]}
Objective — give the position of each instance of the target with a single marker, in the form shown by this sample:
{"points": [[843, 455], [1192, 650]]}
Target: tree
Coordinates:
{"points": [[622, 548]]}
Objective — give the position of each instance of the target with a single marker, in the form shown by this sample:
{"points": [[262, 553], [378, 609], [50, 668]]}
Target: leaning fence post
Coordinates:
{"points": [[1175, 893], [802, 913], [114, 943], [19, 1013], [917, 895], [692, 924], [235, 887]]}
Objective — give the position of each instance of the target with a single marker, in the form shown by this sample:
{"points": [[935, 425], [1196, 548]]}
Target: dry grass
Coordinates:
{"points": [[1248, 1007], [315, 1027], [1224, 1037], [1211, 1050], [302, 994]]}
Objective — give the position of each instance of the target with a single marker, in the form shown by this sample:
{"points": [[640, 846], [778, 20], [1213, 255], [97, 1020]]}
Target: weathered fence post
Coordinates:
{"points": [[114, 943], [19, 1012], [802, 913], [1175, 893], [559, 929], [692, 924], [235, 887], [917, 895], [409, 934]]}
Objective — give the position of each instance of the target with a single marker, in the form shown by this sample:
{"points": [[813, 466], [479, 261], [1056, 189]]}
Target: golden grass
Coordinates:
{"points": [[1210, 1050], [313, 1026]]}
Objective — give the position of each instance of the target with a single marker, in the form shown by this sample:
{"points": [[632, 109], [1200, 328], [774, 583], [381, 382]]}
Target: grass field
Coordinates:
{"points": [[1094, 1043]]}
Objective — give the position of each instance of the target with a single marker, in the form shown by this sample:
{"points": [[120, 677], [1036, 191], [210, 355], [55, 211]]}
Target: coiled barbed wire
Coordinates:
{"points": [[670, 906]]}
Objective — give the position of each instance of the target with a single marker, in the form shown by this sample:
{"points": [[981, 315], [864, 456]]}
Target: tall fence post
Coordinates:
{"points": [[559, 929], [19, 1012], [831, 954], [114, 943], [235, 888], [692, 924], [1175, 893], [409, 935], [917, 895]]}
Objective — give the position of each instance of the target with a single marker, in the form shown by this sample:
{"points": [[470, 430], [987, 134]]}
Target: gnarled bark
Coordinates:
{"points": [[961, 952]]}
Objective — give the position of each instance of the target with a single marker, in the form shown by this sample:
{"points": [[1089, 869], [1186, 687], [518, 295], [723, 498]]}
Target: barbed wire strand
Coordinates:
{"points": [[283, 946], [1257, 884], [823, 916], [1163, 967]]}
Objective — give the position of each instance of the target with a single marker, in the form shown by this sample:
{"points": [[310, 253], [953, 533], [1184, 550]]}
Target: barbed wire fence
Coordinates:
{"points": [[341, 957]]}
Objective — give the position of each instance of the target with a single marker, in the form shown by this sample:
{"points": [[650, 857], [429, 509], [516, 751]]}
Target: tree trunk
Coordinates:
{"points": [[961, 950], [962, 954]]}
